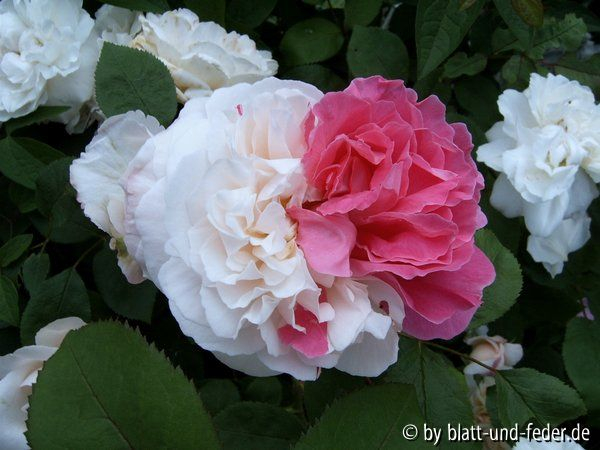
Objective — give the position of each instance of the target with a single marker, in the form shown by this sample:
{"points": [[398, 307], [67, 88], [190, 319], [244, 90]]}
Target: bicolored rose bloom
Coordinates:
{"points": [[267, 260]]}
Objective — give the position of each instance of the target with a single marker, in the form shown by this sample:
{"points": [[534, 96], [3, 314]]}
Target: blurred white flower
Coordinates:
{"points": [[494, 351], [206, 216], [547, 150], [18, 373], [201, 56], [117, 25], [48, 54], [97, 174], [566, 444]]}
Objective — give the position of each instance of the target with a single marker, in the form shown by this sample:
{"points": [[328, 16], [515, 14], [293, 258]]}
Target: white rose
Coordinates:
{"points": [[48, 54], [18, 373], [547, 150], [540, 144], [96, 176], [202, 56], [117, 25], [566, 444], [206, 213], [494, 351]]}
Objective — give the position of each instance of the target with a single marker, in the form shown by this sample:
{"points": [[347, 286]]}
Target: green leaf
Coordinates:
{"points": [[566, 34], [441, 389], [35, 270], [17, 164], [53, 189], [516, 71], [14, 248], [330, 385], [39, 150], [478, 96], [372, 418], [531, 11], [257, 426], [134, 301], [107, 388], [361, 12], [461, 64], [311, 41], [129, 79], [581, 353], [208, 10], [22, 197], [525, 394], [504, 291], [264, 390], [249, 14], [369, 53], [519, 28], [322, 77], [586, 71], [218, 395], [9, 302], [63, 295], [41, 114], [155, 6], [440, 27]]}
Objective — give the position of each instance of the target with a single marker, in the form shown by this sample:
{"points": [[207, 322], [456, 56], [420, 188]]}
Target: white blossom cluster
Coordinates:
{"points": [[547, 150], [49, 50]]}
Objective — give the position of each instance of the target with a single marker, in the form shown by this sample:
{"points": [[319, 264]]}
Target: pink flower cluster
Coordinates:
{"points": [[397, 195]]}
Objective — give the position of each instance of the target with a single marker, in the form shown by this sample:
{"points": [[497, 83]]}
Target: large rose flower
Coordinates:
{"points": [[18, 373], [396, 195], [48, 54], [201, 56], [201, 208]]}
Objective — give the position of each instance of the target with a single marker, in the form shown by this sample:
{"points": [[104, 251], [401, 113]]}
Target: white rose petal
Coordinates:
{"points": [[48, 54], [117, 25], [97, 175], [553, 251], [201, 56], [18, 372]]}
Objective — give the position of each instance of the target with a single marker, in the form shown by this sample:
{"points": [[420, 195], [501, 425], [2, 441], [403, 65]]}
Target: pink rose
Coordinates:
{"points": [[396, 196]]}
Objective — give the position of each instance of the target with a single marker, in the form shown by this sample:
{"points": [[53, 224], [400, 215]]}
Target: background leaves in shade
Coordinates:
{"points": [[369, 54], [311, 41], [440, 27], [133, 301], [581, 353], [107, 388], [257, 426], [63, 295], [129, 79]]}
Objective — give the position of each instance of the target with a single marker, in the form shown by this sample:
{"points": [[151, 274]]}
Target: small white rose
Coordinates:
{"points": [[494, 351], [117, 25], [48, 54], [201, 56], [18, 373]]}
